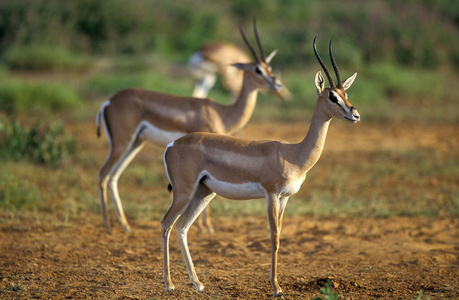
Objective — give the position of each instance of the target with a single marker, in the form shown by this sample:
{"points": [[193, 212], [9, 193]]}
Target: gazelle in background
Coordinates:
{"points": [[213, 59], [201, 165], [218, 58], [133, 116]]}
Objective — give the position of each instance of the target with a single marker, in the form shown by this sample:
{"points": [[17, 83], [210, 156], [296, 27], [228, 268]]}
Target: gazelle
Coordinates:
{"points": [[213, 59], [218, 58], [133, 116], [201, 165]]}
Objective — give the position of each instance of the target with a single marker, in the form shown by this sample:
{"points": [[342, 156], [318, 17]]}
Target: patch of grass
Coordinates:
{"points": [[42, 58], [406, 82], [46, 145], [13, 287], [23, 97], [421, 183], [102, 85], [17, 195], [327, 292]]}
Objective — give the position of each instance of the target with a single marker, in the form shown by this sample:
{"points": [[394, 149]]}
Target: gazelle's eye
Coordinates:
{"points": [[258, 71], [333, 98]]}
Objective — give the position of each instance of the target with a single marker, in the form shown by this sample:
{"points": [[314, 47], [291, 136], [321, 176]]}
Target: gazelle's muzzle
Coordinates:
{"points": [[281, 90], [353, 116]]}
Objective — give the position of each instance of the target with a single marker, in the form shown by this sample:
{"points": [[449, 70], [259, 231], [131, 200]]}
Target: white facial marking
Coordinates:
{"points": [[265, 74], [341, 102]]}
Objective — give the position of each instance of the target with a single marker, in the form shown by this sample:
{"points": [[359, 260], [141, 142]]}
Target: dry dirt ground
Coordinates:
{"points": [[383, 258], [390, 258]]}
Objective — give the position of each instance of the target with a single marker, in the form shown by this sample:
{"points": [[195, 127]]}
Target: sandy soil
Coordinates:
{"points": [[390, 258]]}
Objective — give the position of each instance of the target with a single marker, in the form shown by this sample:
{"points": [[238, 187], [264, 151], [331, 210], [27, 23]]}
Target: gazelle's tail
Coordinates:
{"points": [[100, 116]]}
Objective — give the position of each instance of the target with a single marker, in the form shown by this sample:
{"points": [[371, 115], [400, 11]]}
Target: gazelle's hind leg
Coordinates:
{"points": [[125, 160], [104, 176], [205, 221], [200, 200], [118, 158], [183, 202], [102, 184], [179, 202]]}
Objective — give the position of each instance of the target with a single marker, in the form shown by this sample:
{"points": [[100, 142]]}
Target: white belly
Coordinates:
{"points": [[237, 191], [157, 135]]}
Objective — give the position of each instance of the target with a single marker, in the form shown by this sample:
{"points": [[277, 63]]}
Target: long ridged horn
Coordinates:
{"points": [[335, 67], [255, 56], [258, 40], [330, 79]]}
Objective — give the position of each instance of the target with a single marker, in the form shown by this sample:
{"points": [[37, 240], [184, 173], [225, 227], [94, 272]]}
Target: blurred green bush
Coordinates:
{"points": [[42, 58], [46, 145], [419, 33], [18, 96]]}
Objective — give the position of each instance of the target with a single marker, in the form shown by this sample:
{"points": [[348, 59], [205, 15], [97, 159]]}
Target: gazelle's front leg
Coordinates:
{"points": [[275, 207], [200, 200]]}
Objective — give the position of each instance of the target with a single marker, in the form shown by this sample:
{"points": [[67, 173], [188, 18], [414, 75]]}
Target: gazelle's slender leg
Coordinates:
{"points": [[275, 208], [179, 202], [118, 159], [201, 198], [205, 221], [282, 203], [113, 181], [104, 177], [103, 202]]}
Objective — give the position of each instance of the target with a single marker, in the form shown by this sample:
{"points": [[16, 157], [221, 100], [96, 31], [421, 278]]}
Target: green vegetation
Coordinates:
{"points": [[13, 287], [41, 145], [327, 292], [369, 31], [101, 86], [42, 57], [18, 96]]}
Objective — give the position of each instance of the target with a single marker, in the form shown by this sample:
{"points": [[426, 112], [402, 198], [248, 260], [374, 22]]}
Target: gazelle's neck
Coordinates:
{"points": [[310, 148], [239, 113]]}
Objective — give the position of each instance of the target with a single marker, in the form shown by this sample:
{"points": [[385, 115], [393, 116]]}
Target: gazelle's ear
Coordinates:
{"points": [[270, 56], [347, 84], [320, 83]]}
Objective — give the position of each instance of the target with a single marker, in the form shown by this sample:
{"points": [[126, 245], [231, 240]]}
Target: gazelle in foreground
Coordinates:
{"points": [[201, 165], [133, 116], [213, 59]]}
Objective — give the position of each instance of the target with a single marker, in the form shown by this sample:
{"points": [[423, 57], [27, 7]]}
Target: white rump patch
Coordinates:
{"points": [[164, 159]]}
